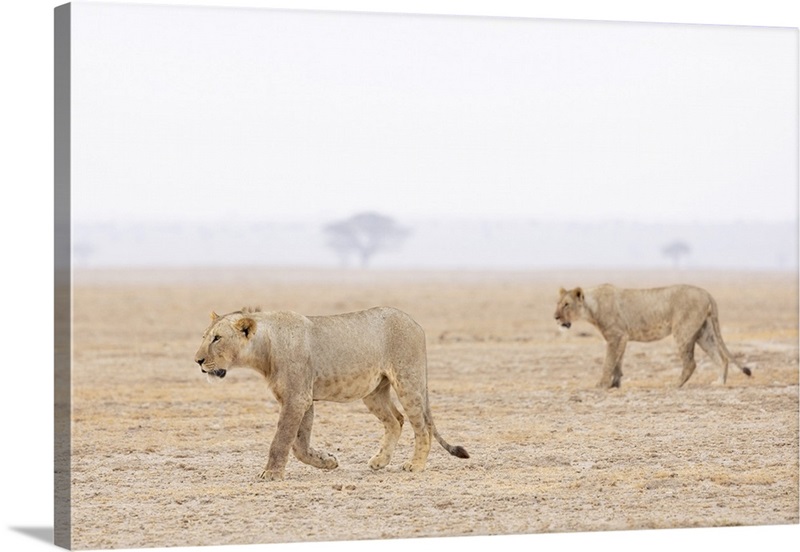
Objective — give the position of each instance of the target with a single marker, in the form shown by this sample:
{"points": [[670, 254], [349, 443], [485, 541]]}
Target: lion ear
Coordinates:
{"points": [[579, 294], [562, 292], [214, 316], [247, 326]]}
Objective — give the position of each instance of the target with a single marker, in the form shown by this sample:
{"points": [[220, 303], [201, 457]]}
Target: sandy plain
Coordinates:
{"points": [[162, 458]]}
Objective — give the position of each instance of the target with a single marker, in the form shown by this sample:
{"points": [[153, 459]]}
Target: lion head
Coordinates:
{"points": [[570, 306], [223, 340]]}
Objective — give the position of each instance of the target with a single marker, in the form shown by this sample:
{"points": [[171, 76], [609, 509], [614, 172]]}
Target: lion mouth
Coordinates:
{"points": [[218, 372]]}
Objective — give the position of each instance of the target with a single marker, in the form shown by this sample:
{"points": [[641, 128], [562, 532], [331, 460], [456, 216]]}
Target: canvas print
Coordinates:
{"points": [[327, 276]]}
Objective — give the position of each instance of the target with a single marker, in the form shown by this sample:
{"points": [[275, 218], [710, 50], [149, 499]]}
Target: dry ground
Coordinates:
{"points": [[163, 458]]}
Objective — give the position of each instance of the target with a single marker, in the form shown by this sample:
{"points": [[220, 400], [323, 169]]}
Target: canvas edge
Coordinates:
{"points": [[62, 452]]}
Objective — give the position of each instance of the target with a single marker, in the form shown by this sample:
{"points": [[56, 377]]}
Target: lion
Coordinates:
{"points": [[686, 312], [341, 358]]}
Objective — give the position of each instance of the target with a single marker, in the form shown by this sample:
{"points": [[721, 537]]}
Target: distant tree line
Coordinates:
{"points": [[676, 251], [364, 235]]}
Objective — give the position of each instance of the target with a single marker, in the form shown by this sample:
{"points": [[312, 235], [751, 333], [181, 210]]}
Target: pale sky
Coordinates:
{"points": [[195, 113]]}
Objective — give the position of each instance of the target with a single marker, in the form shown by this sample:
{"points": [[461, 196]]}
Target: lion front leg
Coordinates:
{"points": [[302, 445], [612, 366], [289, 421]]}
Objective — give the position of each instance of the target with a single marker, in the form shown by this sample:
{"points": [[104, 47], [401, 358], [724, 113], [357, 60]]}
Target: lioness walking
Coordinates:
{"points": [[342, 358], [688, 313]]}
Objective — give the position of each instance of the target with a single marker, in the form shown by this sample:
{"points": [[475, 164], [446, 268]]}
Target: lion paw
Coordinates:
{"points": [[377, 462], [411, 467], [271, 475], [329, 462]]}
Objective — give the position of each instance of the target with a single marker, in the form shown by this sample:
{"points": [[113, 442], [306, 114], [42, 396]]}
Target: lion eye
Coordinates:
{"points": [[216, 338]]}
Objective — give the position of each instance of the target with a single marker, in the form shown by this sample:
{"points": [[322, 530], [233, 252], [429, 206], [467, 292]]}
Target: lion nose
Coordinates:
{"points": [[200, 361]]}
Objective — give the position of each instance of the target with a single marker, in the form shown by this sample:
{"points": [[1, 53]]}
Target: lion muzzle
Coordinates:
{"points": [[218, 372]]}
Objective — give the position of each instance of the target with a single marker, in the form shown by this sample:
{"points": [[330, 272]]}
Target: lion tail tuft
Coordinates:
{"points": [[459, 452]]}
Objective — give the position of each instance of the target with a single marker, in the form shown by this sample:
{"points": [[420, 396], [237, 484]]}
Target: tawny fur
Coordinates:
{"points": [[688, 313], [342, 358]]}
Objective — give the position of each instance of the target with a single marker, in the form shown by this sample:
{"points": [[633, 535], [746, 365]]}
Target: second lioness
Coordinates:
{"points": [[342, 358], [688, 313]]}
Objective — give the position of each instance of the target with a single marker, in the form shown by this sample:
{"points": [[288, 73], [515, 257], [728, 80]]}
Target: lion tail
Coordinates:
{"points": [[718, 335], [456, 450]]}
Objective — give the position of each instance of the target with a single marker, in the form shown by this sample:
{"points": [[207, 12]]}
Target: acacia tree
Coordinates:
{"points": [[364, 234], [675, 251]]}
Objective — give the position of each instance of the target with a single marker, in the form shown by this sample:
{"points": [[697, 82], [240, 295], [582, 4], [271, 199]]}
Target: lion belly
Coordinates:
{"points": [[342, 372], [658, 329], [346, 385]]}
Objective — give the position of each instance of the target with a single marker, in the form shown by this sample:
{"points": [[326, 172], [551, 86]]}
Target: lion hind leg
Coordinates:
{"points": [[303, 450], [710, 344], [414, 404], [616, 379], [686, 352], [422, 439], [379, 402]]}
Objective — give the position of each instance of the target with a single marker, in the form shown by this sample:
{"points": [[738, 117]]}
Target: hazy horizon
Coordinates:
{"points": [[443, 244]]}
